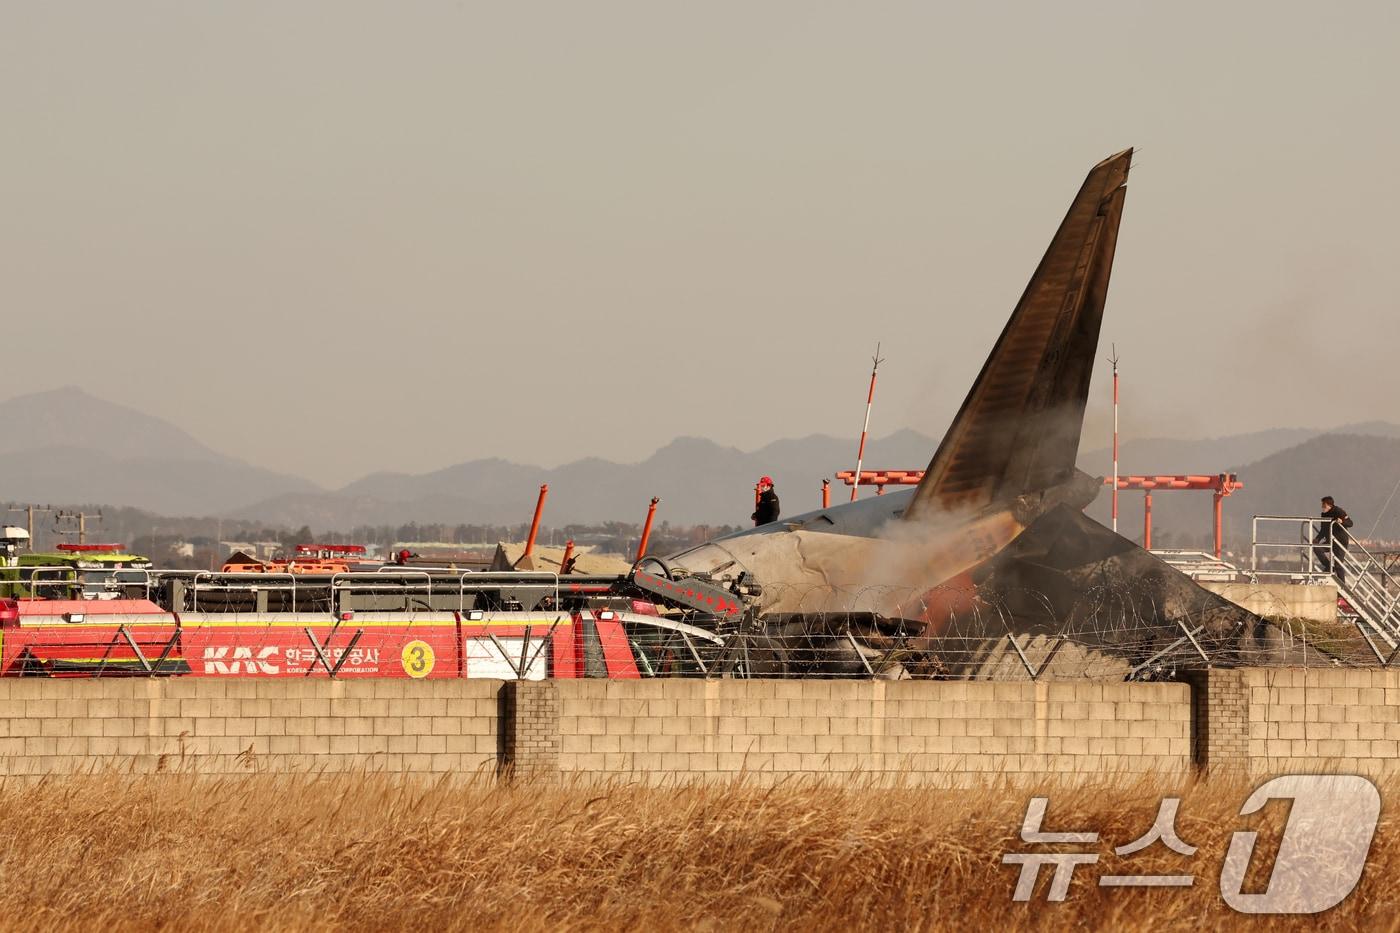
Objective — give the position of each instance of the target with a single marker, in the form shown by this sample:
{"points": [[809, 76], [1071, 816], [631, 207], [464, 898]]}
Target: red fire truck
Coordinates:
{"points": [[78, 638]]}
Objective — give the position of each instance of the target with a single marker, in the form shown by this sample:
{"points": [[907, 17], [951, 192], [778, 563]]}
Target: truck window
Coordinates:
{"points": [[661, 652]]}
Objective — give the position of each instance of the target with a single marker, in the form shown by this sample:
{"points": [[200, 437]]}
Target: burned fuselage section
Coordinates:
{"points": [[1065, 597]]}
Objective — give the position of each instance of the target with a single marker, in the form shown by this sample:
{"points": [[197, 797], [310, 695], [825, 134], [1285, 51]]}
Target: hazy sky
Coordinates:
{"points": [[334, 237]]}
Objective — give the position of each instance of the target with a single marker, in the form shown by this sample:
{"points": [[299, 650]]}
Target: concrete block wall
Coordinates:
{"points": [[956, 732], [1299, 721], [155, 724], [1317, 601], [1252, 720]]}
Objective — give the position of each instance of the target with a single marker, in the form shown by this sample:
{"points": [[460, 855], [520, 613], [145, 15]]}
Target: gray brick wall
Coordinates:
{"points": [[66, 726], [1323, 720], [1220, 718], [1261, 721], [946, 732], [530, 730]]}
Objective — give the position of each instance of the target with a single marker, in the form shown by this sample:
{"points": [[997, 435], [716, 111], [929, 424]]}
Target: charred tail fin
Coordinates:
{"points": [[1018, 429]]}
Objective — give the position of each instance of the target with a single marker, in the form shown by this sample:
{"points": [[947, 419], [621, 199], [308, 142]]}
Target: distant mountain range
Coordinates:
{"points": [[698, 481], [67, 446]]}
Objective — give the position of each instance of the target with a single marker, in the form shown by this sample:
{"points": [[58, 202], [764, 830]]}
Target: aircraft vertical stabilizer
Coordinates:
{"points": [[1018, 429]]}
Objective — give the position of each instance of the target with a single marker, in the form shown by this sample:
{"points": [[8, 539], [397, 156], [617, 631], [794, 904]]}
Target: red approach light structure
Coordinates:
{"points": [[1222, 484], [881, 478]]}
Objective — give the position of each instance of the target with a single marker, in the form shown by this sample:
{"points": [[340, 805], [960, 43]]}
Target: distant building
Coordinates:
{"points": [[259, 550]]}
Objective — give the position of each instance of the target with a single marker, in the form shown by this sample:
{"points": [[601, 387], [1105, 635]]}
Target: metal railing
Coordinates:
{"points": [[37, 579], [255, 584], [1196, 564], [1316, 555], [353, 582], [340, 587], [1290, 541]]}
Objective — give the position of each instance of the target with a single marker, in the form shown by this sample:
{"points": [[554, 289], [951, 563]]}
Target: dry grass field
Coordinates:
{"points": [[366, 852]]}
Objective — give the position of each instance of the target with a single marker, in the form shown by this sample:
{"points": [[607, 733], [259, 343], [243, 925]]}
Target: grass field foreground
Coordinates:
{"points": [[364, 852]]}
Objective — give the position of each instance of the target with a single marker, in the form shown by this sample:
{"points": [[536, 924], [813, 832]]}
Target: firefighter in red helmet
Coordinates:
{"points": [[766, 509]]}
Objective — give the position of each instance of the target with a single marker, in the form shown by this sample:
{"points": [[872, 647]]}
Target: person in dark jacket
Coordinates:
{"points": [[767, 509], [1333, 530]]}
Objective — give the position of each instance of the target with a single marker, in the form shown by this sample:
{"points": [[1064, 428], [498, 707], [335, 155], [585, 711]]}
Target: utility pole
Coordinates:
{"points": [[79, 517], [29, 511]]}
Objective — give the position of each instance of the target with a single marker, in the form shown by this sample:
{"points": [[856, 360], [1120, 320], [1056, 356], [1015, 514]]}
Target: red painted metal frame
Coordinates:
{"points": [[882, 477], [1221, 484]]}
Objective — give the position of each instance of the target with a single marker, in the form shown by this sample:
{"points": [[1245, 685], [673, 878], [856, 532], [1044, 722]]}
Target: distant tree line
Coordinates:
{"points": [[193, 542]]}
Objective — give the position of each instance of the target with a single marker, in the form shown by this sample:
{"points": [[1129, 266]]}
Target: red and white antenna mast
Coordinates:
{"points": [[869, 401], [1114, 360]]}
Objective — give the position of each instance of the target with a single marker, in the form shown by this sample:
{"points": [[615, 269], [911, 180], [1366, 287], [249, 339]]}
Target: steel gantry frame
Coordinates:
{"points": [[1221, 484]]}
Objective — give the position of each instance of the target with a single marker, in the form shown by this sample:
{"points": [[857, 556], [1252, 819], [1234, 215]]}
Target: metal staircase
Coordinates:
{"points": [[1370, 592]]}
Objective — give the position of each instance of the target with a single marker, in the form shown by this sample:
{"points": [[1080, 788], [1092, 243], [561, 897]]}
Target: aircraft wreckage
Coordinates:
{"points": [[988, 568]]}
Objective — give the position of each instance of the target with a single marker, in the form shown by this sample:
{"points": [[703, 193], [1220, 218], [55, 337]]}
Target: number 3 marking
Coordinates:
{"points": [[418, 659]]}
